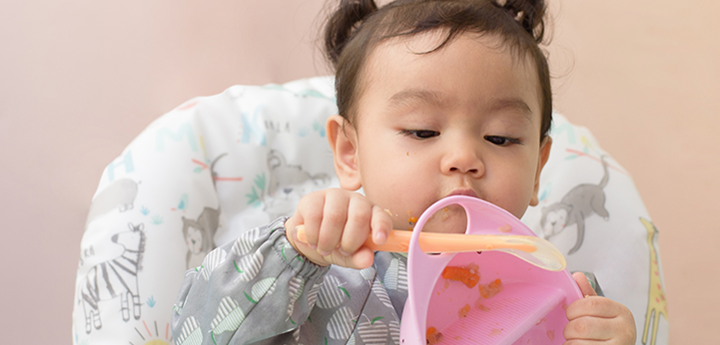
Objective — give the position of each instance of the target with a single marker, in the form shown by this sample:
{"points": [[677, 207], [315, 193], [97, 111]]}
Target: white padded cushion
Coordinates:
{"points": [[217, 166]]}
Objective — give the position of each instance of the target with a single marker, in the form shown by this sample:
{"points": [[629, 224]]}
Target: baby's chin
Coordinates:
{"points": [[451, 219]]}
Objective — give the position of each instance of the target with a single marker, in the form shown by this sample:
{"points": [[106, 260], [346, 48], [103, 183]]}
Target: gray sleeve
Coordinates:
{"points": [[247, 290]]}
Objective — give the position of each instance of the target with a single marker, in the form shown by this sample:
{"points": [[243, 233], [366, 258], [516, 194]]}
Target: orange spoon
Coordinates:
{"points": [[534, 250]]}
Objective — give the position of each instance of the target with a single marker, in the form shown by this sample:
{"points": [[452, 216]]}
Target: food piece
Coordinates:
{"points": [[479, 305], [464, 311], [432, 336], [461, 274], [412, 220], [491, 289], [473, 267], [444, 214]]}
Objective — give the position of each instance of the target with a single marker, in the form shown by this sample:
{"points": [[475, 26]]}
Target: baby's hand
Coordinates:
{"points": [[595, 320], [337, 223]]}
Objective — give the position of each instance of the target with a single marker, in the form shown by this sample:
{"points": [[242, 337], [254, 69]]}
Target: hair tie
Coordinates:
{"points": [[519, 16]]}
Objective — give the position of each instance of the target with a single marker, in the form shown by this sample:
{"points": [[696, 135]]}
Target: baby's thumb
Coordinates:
{"points": [[584, 284]]}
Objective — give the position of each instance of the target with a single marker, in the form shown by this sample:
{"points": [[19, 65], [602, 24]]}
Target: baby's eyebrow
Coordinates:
{"points": [[418, 95], [512, 104]]}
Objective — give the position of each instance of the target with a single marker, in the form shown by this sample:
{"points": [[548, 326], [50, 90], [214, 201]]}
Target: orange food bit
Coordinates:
{"points": [[491, 289], [433, 336], [412, 220], [464, 311], [461, 274]]}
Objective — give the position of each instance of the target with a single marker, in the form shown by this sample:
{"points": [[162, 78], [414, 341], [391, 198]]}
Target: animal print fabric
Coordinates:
{"points": [[258, 290]]}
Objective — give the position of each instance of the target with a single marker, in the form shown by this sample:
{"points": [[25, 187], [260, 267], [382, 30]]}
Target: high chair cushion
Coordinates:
{"points": [[217, 166]]}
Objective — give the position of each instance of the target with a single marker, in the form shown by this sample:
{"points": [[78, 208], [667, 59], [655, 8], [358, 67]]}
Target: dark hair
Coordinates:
{"points": [[357, 26]]}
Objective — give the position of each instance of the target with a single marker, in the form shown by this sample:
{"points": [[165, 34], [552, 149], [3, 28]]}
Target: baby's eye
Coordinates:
{"points": [[419, 133], [501, 141]]}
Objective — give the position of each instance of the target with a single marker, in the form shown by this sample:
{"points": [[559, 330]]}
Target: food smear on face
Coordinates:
{"points": [[461, 274], [463, 312], [432, 336], [412, 220], [491, 289]]}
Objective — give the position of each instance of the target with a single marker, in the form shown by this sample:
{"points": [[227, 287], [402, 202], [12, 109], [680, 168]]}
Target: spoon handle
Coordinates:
{"points": [[399, 240]]}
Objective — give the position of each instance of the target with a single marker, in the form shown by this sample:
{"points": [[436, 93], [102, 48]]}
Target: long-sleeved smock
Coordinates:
{"points": [[258, 289]]}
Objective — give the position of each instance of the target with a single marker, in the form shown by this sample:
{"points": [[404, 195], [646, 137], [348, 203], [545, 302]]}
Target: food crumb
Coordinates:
{"points": [[491, 289], [505, 228], [461, 274], [495, 331], [412, 220], [540, 321], [551, 335], [445, 214], [432, 336], [479, 305], [464, 311], [472, 267]]}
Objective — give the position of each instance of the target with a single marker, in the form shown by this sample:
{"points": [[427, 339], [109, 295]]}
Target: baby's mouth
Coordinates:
{"points": [[463, 191]]}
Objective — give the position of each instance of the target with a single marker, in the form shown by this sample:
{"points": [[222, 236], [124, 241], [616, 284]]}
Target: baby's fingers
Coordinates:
{"points": [[584, 284], [381, 225], [334, 216], [594, 306], [357, 228], [599, 319], [588, 328], [362, 258], [597, 330]]}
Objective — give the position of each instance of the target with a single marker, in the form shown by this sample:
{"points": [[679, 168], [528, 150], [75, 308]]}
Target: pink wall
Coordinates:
{"points": [[79, 79]]}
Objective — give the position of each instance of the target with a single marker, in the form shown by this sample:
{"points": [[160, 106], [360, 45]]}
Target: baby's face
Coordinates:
{"points": [[464, 120]]}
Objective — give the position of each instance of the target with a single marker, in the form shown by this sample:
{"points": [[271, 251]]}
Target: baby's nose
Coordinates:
{"points": [[464, 161]]}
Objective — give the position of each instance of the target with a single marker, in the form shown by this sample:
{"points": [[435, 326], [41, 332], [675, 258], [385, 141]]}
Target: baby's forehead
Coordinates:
{"points": [[383, 55], [403, 68]]}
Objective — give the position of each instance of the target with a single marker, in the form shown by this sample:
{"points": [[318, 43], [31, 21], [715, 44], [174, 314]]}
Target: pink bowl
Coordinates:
{"points": [[530, 309]]}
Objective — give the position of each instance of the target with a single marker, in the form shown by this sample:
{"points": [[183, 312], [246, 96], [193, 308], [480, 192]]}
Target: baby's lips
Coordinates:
{"points": [[463, 191]]}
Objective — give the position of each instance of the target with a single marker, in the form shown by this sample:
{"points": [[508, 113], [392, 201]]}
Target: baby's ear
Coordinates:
{"points": [[545, 146], [343, 142]]}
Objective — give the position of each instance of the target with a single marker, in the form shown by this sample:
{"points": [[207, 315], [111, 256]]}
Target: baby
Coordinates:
{"points": [[436, 98]]}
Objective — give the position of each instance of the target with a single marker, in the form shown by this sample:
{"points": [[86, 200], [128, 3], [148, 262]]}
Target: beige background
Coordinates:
{"points": [[80, 78]]}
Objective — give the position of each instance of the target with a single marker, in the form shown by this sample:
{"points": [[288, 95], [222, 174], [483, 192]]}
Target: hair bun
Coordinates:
{"points": [[342, 25], [530, 15]]}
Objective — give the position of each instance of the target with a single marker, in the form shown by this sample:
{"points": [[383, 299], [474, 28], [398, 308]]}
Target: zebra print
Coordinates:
{"points": [[115, 277]]}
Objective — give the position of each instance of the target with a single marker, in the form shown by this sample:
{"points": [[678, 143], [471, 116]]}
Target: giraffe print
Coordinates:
{"points": [[657, 304]]}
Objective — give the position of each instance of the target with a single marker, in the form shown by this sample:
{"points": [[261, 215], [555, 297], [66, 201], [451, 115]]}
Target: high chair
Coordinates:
{"points": [[215, 167]]}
